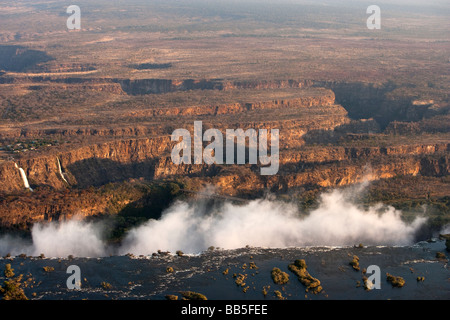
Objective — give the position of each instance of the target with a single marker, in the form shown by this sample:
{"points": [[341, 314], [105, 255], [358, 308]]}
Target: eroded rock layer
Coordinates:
{"points": [[128, 137]]}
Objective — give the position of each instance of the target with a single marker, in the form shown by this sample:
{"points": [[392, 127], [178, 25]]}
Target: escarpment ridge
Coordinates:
{"points": [[149, 158], [121, 133]]}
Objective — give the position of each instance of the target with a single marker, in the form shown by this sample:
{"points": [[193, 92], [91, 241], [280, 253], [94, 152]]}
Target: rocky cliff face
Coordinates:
{"points": [[328, 167], [92, 165], [22, 211], [361, 100], [377, 101], [305, 112], [10, 178], [149, 158], [151, 86], [140, 147], [437, 166]]}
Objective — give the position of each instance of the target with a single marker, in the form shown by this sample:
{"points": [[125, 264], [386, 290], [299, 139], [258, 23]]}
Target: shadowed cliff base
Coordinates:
{"points": [[21, 59]]}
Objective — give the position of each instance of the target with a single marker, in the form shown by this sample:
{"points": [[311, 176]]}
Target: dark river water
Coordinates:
{"points": [[146, 277]]}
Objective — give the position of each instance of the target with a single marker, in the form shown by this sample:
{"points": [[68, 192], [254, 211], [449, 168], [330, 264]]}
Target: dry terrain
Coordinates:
{"points": [[87, 114]]}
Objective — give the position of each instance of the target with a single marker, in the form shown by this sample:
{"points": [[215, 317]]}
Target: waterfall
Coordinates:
{"points": [[60, 171], [24, 178]]}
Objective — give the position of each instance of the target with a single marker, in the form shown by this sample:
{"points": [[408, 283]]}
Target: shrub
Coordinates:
{"points": [[12, 288], [279, 295], [189, 295], [48, 269], [9, 272], [355, 263], [300, 263], [279, 277], [106, 285], [299, 268], [240, 279], [395, 281], [420, 278]]}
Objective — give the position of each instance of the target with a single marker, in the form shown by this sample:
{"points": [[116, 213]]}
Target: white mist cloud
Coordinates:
{"points": [[265, 223], [445, 229], [14, 246], [73, 237], [58, 239], [193, 227]]}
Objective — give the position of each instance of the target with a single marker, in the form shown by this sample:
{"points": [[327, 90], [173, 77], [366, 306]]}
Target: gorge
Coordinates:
{"points": [[321, 146]]}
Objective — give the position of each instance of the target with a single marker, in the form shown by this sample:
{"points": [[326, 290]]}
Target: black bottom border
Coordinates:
{"points": [[223, 309]]}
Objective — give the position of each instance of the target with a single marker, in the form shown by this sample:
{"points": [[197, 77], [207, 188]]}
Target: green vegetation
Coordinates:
{"points": [[18, 146], [252, 265], [12, 288], [240, 279], [355, 263], [279, 295], [265, 290], [48, 269], [395, 281], [189, 295], [9, 272], [179, 253], [279, 277], [148, 200], [299, 269], [413, 196], [106, 285], [169, 270], [124, 204]]}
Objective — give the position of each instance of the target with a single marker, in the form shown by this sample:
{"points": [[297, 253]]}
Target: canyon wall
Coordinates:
{"points": [[139, 147], [88, 165], [149, 158]]}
